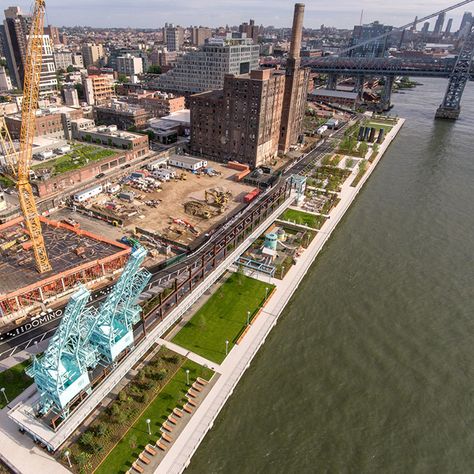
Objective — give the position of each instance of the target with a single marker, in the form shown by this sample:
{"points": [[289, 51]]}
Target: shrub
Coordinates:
{"points": [[87, 440]]}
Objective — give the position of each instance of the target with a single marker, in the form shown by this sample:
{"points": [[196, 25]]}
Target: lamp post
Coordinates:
{"points": [[4, 394], [248, 318], [67, 454], [282, 271], [148, 421], [226, 347], [187, 376], [266, 293]]}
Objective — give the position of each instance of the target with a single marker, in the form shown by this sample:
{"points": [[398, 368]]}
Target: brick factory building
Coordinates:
{"points": [[242, 122], [256, 115]]}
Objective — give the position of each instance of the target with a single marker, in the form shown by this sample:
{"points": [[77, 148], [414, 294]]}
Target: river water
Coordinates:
{"points": [[371, 368]]}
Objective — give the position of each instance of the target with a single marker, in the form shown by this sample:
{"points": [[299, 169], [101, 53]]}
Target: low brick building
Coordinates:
{"points": [[57, 184], [158, 104], [123, 115], [54, 122]]}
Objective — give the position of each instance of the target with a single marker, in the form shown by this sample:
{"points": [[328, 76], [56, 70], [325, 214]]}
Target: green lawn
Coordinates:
{"points": [[303, 218], [120, 459], [223, 317], [378, 126], [6, 182], [80, 156], [15, 381]]}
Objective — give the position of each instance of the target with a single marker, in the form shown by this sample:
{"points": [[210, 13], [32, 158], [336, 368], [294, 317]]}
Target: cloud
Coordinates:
{"points": [[154, 13]]}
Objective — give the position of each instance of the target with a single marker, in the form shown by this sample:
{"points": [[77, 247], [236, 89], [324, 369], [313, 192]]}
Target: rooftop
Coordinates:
{"points": [[17, 265]]}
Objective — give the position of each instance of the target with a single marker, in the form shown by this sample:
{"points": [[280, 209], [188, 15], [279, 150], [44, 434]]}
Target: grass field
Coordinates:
{"points": [[120, 459], [80, 156], [223, 317], [379, 125], [15, 381], [303, 218]]}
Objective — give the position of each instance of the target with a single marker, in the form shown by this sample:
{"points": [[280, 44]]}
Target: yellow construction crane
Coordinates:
{"points": [[21, 170]]}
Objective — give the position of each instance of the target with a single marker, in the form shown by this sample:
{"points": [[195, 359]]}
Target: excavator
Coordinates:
{"points": [[19, 162]]}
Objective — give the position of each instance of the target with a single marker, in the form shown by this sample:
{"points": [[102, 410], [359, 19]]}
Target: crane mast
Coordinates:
{"points": [[33, 64]]}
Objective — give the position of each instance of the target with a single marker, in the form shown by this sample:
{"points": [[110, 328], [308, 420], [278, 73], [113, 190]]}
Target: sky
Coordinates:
{"points": [[154, 13]]}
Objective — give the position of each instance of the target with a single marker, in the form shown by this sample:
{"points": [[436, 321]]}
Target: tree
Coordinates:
{"points": [[363, 149], [70, 68], [154, 70], [122, 78], [80, 91]]}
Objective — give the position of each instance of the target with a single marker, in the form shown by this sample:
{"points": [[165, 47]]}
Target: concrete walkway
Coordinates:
{"points": [[19, 452], [190, 355], [240, 357]]}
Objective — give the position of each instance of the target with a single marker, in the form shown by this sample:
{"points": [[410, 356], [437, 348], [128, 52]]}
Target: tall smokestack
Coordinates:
{"points": [[297, 32]]}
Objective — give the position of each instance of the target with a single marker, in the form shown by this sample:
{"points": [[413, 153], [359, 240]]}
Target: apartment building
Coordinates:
{"points": [[204, 70], [98, 89]]}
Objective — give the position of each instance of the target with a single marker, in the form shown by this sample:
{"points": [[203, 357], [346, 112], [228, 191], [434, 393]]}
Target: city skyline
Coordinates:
{"points": [[155, 14]]}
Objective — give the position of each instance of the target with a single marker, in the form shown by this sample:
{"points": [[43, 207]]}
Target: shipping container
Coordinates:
{"points": [[381, 136], [252, 195], [360, 138]]}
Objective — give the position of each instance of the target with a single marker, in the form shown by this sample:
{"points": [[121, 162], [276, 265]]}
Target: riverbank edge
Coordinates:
{"points": [[239, 359]]}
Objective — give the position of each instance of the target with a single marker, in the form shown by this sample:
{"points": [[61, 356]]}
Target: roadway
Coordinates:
{"points": [[42, 327]]}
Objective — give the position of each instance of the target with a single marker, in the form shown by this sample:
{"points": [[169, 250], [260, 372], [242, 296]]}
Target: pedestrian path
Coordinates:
{"points": [[190, 355], [241, 355]]}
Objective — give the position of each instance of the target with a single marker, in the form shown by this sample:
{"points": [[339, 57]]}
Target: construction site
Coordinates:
{"points": [[76, 256], [42, 260], [168, 206]]}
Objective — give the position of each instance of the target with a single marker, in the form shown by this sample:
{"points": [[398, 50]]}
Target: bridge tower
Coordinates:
{"points": [[451, 106]]}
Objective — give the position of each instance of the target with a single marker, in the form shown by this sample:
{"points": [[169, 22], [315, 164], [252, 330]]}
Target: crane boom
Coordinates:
{"points": [[33, 64]]}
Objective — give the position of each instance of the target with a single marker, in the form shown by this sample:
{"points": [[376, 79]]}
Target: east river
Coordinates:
{"points": [[371, 368]]}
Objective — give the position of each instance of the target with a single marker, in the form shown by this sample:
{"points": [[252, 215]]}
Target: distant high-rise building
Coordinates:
{"points": [[163, 57], [62, 59], [53, 33], [129, 65], [426, 27], [378, 48], [199, 35], [5, 81], [48, 79], [98, 89], [204, 70], [466, 23], [77, 60], [92, 54], [71, 97], [438, 29], [16, 28], [449, 26], [173, 37], [250, 30]]}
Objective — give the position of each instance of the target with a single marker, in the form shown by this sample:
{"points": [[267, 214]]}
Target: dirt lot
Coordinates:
{"points": [[175, 194]]}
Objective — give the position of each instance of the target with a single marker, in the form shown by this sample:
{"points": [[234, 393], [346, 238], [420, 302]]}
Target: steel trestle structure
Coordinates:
{"points": [[451, 106]]}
